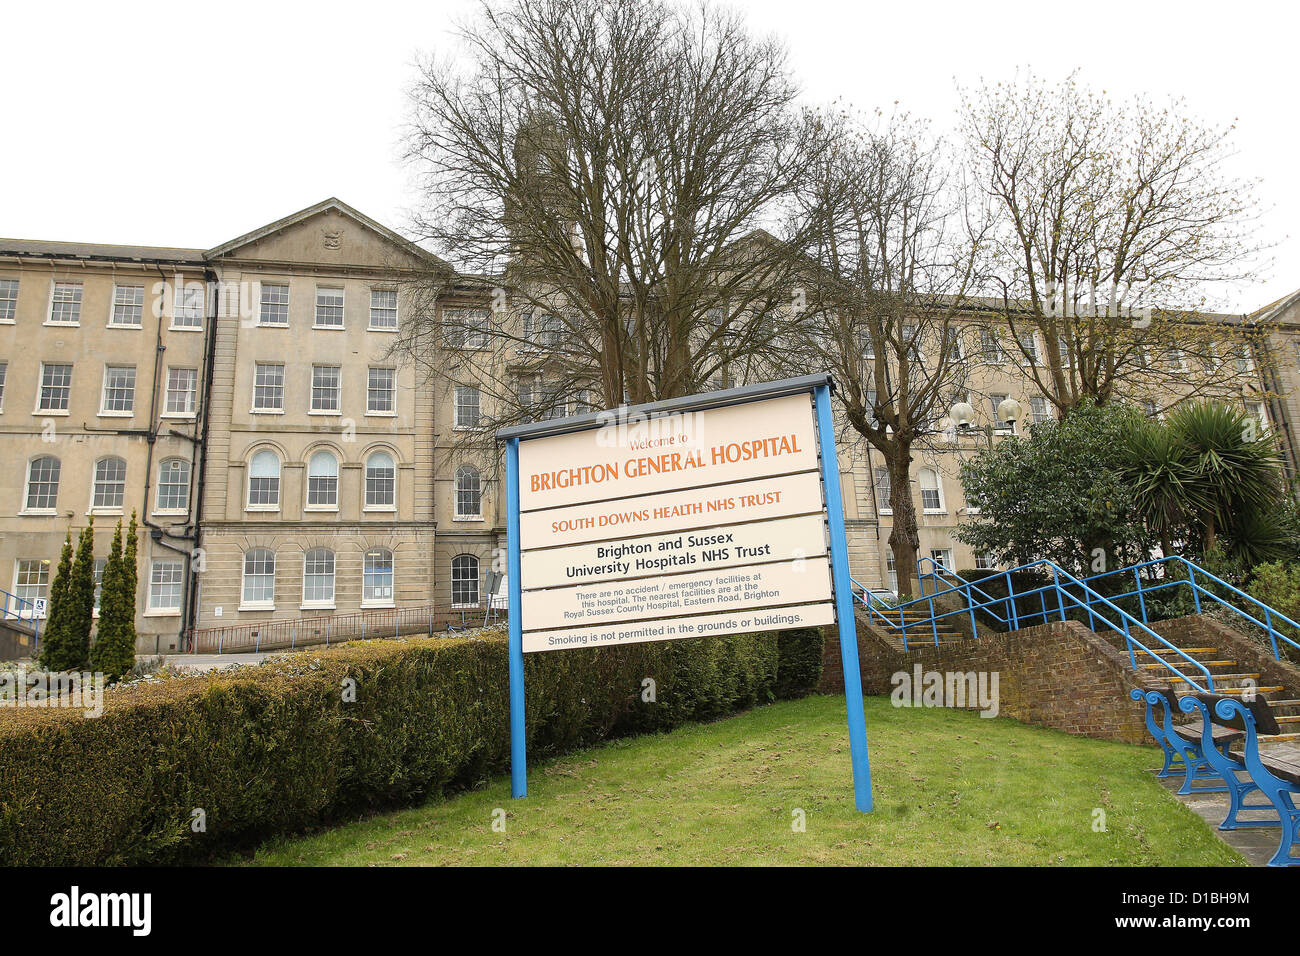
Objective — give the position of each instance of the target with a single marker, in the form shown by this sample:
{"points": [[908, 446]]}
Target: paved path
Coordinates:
{"points": [[1256, 844], [207, 662]]}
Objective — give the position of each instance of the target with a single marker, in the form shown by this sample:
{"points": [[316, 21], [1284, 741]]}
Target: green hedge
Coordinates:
{"points": [[276, 749]]}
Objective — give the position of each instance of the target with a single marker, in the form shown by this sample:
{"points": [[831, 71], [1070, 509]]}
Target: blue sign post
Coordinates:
{"points": [[819, 388]]}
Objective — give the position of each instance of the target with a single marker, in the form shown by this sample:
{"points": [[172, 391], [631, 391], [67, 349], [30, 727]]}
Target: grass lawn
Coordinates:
{"points": [[950, 787]]}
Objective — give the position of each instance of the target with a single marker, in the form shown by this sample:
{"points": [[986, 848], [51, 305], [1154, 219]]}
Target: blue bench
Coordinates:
{"points": [[1275, 773], [1184, 744]]}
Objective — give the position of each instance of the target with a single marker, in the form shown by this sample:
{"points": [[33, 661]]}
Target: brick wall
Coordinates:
{"points": [[1058, 675]]}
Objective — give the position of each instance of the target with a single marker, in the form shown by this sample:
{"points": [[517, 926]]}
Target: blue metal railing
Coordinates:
{"points": [[1195, 575], [1061, 590], [13, 607]]}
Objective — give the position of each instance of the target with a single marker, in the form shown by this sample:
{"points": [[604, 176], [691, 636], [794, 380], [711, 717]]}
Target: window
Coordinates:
{"points": [[1259, 412], [65, 304], [931, 491], [542, 329], [467, 410], [469, 493], [259, 579], [174, 485], [8, 299], [268, 388], [318, 577], [377, 577], [891, 572], [883, 491], [1028, 347], [383, 308], [323, 481], [128, 306], [381, 481], [165, 586], [1176, 359], [4, 373], [582, 402], [1039, 410], [31, 582], [379, 391], [329, 308], [1242, 358], [264, 481], [110, 484], [1067, 355], [464, 580], [467, 329], [990, 348], [986, 562], [187, 313], [324, 388], [43, 484], [942, 556], [274, 305], [952, 339], [1149, 408], [100, 565], [996, 399], [182, 384], [56, 387], [119, 390]]}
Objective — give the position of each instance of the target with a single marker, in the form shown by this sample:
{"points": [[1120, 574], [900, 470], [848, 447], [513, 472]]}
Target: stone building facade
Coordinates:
{"points": [[286, 463]]}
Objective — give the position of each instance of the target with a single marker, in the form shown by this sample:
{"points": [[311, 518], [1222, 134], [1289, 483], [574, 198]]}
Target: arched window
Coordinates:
{"points": [[259, 578], [883, 491], [110, 484], [264, 481], [381, 481], [464, 580], [173, 484], [318, 577], [43, 484], [377, 583], [469, 493], [931, 490], [323, 481]]}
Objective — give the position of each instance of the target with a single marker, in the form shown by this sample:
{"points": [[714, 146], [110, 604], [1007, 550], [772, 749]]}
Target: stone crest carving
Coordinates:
{"points": [[332, 238]]}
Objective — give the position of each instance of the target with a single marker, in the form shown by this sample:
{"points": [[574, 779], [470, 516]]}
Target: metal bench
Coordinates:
{"points": [[1183, 744], [1275, 772]]}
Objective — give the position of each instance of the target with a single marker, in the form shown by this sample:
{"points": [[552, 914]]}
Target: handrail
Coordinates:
{"points": [[1193, 572], [30, 617], [1127, 619]]}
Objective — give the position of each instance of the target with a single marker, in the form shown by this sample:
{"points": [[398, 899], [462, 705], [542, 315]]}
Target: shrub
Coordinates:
{"points": [[113, 652], [57, 650], [276, 749]]}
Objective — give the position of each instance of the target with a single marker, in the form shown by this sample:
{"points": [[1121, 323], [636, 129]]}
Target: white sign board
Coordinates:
{"points": [[710, 522]]}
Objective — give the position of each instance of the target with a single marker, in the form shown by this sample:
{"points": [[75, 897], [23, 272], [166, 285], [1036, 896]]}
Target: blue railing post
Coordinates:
{"points": [[1272, 634], [1060, 599], [1128, 639], [1142, 602], [934, 626], [970, 605], [1011, 604], [1191, 580]]}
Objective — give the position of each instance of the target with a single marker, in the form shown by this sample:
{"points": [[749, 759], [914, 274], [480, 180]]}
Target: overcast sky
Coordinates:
{"points": [[170, 124]]}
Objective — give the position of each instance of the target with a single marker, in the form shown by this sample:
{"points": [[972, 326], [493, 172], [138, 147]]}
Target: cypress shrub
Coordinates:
{"points": [[113, 653], [81, 597], [278, 749], [58, 652]]}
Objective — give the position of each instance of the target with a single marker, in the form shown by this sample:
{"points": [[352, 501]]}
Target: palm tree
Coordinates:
{"points": [[1233, 471], [1158, 467]]}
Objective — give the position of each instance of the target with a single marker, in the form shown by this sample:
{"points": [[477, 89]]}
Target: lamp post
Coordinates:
{"points": [[963, 415]]}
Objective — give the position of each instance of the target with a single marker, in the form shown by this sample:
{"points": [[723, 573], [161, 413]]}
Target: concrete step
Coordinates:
{"points": [[1209, 664]]}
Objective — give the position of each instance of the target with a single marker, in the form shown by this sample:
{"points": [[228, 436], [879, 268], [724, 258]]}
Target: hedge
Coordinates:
{"points": [[276, 750]]}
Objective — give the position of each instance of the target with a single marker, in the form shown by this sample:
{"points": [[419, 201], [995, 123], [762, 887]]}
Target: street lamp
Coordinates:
{"points": [[963, 415]]}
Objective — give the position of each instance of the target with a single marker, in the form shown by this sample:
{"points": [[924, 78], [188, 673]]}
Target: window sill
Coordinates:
{"points": [[321, 509], [329, 328], [163, 612], [313, 606], [934, 511], [885, 511], [47, 412], [8, 322], [378, 605], [119, 325], [170, 513], [467, 518], [180, 416], [380, 509], [105, 512], [261, 510], [184, 328], [455, 428], [266, 411], [39, 513], [381, 328], [103, 414], [62, 325], [381, 414], [272, 325], [257, 606], [320, 411]]}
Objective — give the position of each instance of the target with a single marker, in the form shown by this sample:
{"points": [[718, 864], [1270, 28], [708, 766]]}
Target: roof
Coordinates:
{"points": [[99, 252], [1275, 310]]}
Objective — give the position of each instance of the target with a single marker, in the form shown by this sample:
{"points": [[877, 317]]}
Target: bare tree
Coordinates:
{"points": [[893, 267], [619, 173], [1112, 224]]}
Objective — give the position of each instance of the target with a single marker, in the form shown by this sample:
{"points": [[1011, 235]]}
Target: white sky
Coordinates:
{"points": [[171, 124]]}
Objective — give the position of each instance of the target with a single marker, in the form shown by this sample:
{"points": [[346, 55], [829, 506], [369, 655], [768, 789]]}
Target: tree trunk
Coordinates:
{"points": [[903, 538]]}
